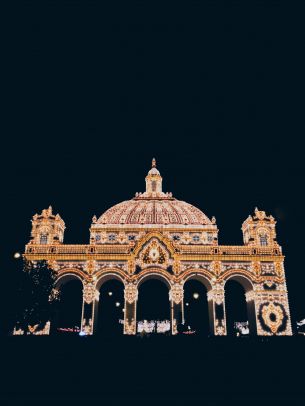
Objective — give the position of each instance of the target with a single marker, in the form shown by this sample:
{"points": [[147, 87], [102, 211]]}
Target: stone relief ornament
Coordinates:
{"points": [[279, 269], [272, 316], [90, 293], [176, 293], [217, 293], [154, 254], [267, 268], [131, 293], [236, 265]]}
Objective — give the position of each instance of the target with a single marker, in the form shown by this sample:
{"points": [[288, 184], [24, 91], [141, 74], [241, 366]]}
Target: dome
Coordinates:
{"points": [[153, 212], [153, 208]]}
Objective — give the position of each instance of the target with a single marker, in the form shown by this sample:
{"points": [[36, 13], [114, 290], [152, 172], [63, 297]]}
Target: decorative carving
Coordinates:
{"points": [[176, 293], [273, 315], [130, 293], [217, 293], [91, 267], [256, 268], [217, 268], [226, 266], [154, 254], [279, 269], [90, 293], [267, 268]]}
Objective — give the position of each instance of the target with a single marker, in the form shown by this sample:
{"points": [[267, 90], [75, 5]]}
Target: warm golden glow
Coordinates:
{"points": [[154, 235]]}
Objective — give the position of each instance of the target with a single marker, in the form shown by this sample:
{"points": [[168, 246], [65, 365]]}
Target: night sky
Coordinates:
{"points": [[215, 93]]}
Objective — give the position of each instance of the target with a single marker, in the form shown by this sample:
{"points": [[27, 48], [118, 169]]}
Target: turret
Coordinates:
{"points": [[47, 228], [153, 181], [259, 230]]}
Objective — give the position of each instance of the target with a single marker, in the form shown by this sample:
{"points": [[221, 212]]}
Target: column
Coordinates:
{"points": [[176, 295], [89, 310], [130, 308], [217, 313]]}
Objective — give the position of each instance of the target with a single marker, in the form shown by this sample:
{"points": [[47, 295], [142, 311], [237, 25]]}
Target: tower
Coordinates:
{"points": [[259, 230], [47, 228]]}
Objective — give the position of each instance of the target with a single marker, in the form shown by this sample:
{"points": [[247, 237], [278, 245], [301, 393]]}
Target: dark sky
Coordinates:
{"points": [[214, 92]]}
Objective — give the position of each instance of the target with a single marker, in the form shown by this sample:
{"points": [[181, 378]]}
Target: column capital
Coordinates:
{"points": [[90, 293], [216, 293], [130, 293], [176, 293]]}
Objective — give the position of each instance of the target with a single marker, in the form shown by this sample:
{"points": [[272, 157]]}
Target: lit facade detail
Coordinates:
{"points": [[154, 235]]}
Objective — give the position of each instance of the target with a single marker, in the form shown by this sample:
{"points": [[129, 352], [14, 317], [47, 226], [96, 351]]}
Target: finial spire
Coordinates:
{"points": [[153, 163]]}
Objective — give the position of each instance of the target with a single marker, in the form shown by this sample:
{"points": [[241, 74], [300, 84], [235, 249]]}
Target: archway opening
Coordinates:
{"points": [[67, 317], [110, 315], [153, 307], [196, 312], [239, 314]]}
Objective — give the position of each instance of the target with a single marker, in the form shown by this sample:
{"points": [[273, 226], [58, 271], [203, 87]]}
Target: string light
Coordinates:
{"points": [[176, 250]]}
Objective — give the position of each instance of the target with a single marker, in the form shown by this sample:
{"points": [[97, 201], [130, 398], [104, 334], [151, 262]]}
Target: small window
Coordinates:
{"points": [[43, 238], [263, 240], [210, 237], [131, 237], [111, 237], [196, 238], [97, 237], [153, 185], [176, 237]]}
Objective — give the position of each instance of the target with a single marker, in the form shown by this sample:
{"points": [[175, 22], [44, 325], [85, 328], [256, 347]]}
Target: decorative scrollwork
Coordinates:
{"points": [[90, 293], [273, 317], [130, 293], [176, 293]]}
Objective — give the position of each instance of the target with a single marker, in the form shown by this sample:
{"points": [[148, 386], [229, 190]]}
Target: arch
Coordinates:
{"points": [[110, 306], [245, 308], [64, 277], [201, 277], [153, 302], [197, 310], [240, 277], [106, 275], [154, 274], [67, 312]]}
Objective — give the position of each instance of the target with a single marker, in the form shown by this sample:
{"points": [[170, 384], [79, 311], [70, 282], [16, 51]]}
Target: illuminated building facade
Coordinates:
{"points": [[154, 235]]}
